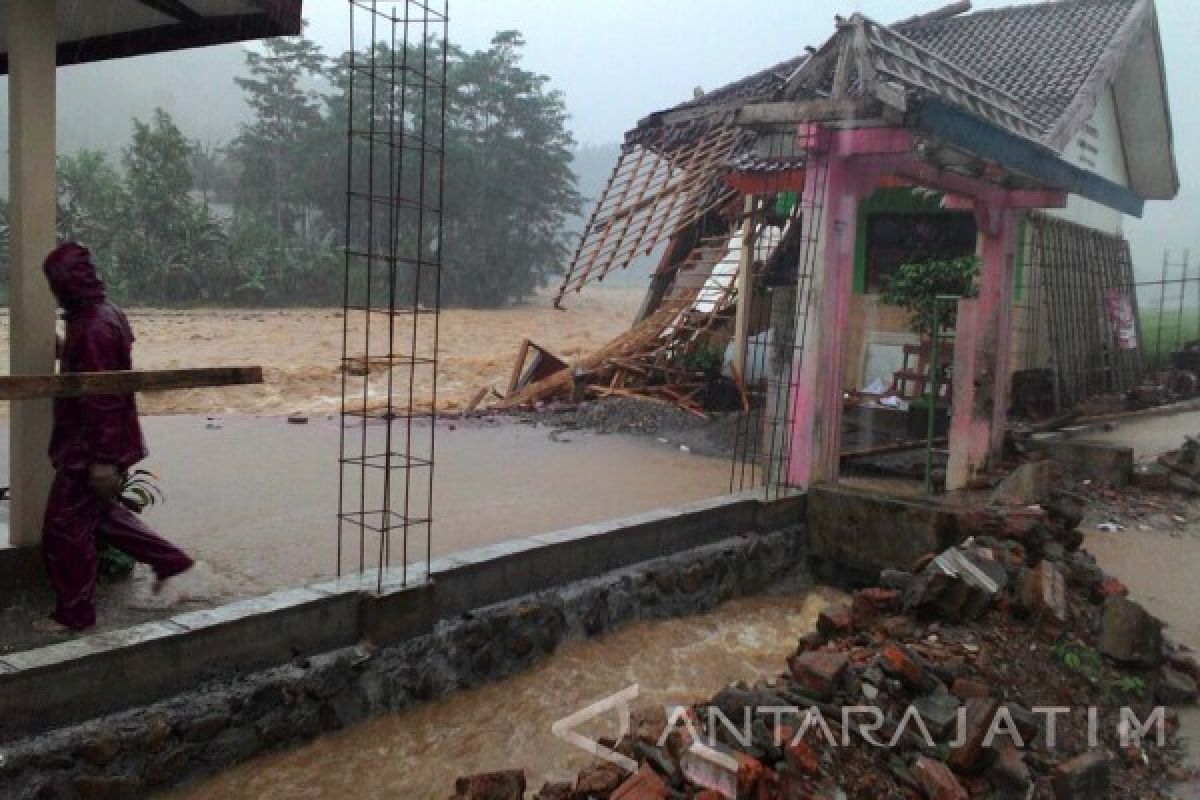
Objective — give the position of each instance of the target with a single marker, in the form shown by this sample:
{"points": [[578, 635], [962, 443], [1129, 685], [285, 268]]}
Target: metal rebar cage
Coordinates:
{"points": [[394, 79]]}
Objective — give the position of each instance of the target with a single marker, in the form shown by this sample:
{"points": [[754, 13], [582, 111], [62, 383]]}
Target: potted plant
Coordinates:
{"points": [[916, 288]]}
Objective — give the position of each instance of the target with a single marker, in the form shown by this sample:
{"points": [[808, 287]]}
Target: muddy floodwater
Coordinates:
{"points": [[418, 753]]}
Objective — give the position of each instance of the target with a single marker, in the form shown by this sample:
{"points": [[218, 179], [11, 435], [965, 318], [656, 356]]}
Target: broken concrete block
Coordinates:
{"points": [[901, 662], [1151, 477], [1130, 634], [834, 621], [937, 781], [966, 689], [1175, 688], [557, 790], [1009, 772], [1109, 587], [976, 722], [643, 785], [938, 711], [749, 773], [897, 579], [599, 780], [818, 672], [802, 757], [1043, 592], [1027, 485], [1084, 777], [870, 604], [505, 785]]}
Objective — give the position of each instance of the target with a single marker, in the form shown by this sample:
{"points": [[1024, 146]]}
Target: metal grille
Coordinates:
{"points": [[396, 101], [762, 454], [1076, 272]]}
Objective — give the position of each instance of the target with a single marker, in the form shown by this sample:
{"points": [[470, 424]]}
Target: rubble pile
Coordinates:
{"points": [[936, 684]]}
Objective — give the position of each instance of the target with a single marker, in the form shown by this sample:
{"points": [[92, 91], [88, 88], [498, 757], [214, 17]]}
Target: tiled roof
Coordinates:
{"points": [[1042, 53]]}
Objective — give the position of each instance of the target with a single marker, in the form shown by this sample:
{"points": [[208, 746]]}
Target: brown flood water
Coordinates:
{"points": [[419, 752]]}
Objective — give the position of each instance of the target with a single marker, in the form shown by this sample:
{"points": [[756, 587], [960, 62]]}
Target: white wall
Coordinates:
{"points": [[1097, 148]]}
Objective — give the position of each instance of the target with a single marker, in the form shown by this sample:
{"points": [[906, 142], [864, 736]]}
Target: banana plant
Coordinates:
{"points": [[139, 491]]}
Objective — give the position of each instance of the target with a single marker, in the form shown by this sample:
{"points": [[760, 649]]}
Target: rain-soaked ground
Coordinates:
{"points": [[1160, 566], [255, 498]]}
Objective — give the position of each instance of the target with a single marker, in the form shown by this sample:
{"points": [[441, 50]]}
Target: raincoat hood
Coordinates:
{"points": [[72, 277]]}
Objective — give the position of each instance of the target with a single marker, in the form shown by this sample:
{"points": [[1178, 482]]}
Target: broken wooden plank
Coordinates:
{"points": [[475, 400], [78, 384]]}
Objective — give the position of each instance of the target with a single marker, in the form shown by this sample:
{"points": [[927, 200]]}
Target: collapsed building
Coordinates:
{"points": [[779, 205]]}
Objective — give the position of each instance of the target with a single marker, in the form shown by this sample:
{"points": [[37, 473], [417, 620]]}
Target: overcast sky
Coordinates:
{"points": [[617, 60]]}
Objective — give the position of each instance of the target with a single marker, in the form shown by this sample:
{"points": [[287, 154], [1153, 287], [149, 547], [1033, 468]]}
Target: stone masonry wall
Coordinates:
{"points": [[218, 725]]}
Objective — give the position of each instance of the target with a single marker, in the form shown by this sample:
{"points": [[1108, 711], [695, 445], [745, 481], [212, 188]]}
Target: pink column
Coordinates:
{"points": [[981, 363], [833, 185]]}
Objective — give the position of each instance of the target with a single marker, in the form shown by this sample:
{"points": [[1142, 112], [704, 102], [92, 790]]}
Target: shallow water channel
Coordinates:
{"points": [[419, 752]]}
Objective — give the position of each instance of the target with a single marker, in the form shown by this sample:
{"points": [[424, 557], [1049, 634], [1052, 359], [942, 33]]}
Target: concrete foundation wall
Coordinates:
{"points": [[853, 534], [227, 721]]}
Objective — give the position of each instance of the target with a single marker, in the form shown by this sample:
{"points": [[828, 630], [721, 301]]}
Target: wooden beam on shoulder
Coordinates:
{"points": [[79, 384]]}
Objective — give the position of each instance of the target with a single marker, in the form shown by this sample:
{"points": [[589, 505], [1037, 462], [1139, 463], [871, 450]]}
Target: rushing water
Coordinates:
{"points": [[419, 752]]}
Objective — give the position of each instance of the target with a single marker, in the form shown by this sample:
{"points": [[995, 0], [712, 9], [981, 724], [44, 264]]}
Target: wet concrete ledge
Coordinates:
{"points": [[215, 725], [91, 676]]}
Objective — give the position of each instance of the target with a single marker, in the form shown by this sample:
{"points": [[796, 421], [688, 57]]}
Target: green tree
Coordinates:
{"points": [[509, 185], [167, 248]]}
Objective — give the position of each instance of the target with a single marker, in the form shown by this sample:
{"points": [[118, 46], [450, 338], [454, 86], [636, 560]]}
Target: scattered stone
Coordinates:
{"points": [[871, 604], [1185, 663], [1151, 477], [1084, 777], [834, 621], [1042, 592], [1129, 634], [801, 756], [599, 780], [938, 711], [895, 579], [749, 774], [819, 672], [1009, 770], [1175, 688], [1109, 587], [505, 785], [937, 781], [205, 727], [103, 787], [559, 790], [643, 785], [977, 721], [1027, 485], [901, 662], [968, 689], [99, 749]]}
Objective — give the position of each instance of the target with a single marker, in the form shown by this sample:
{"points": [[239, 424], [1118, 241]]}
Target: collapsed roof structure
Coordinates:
{"points": [[765, 188]]}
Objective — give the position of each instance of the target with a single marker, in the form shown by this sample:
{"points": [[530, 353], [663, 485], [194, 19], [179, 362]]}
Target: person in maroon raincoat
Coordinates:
{"points": [[96, 439]]}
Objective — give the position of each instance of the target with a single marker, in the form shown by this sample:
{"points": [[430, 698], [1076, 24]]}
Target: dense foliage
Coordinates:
{"points": [[261, 220]]}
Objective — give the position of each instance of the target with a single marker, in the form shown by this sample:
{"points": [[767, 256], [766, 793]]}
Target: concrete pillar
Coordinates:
{"points": [[831, 207], [31, 92], [982, 368]]}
